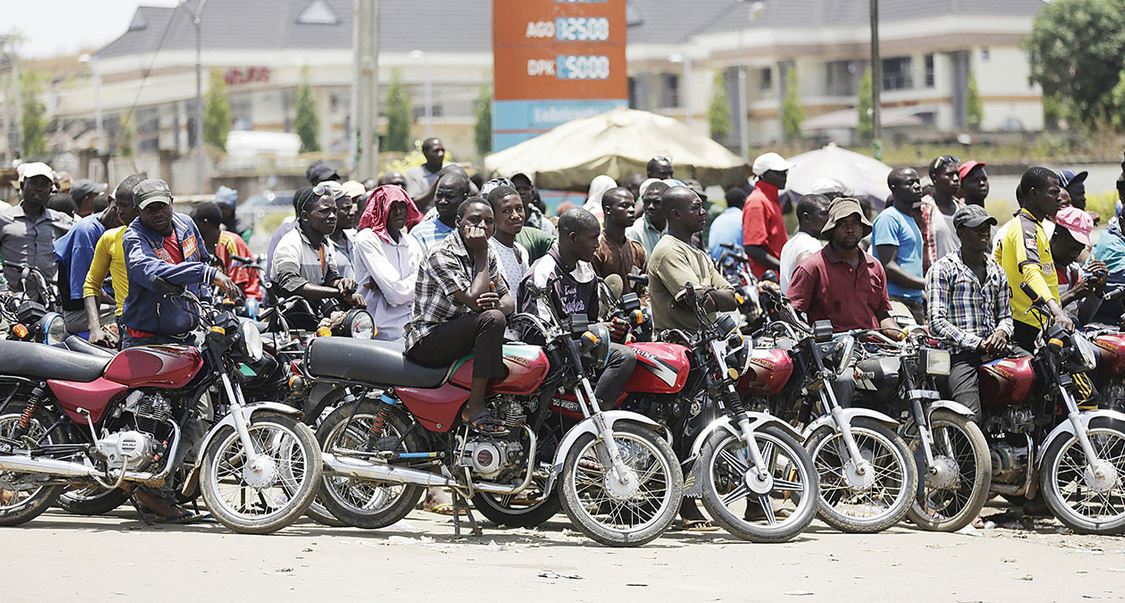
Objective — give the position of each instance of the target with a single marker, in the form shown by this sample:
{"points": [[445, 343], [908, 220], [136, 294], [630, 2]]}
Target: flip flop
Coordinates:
{"points": [[183, 519], [699, 525]]}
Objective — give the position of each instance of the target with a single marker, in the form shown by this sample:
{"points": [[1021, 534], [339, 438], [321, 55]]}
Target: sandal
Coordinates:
{"points": [[485, 423], [698, 525], [444, 508], [183, 518]]}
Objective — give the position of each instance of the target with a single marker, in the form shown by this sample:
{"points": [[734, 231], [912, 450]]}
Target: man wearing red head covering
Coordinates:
{"points": [[387, 257]]}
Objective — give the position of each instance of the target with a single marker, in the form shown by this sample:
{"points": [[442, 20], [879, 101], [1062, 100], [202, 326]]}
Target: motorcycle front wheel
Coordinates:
{"points": [[866, 502], [954, 493], [262, 497], [1085, 501], [771, 510], [616, 511]]}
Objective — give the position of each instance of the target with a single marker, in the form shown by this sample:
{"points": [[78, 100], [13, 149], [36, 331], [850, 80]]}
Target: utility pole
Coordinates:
{"points": [[365, 89], [200, 149], [876, 82]]}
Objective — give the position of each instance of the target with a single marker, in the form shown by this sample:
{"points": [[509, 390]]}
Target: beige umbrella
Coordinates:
{"points": [[617, 143]]}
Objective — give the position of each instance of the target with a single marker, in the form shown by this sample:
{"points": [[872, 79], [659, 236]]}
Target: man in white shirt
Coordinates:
{"points": [[508, 209], [812, 214], [387, 259]]}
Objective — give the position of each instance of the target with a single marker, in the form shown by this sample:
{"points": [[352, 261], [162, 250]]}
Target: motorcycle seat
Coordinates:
{"points": [[26, 359], [75, 343], [370, 361]]}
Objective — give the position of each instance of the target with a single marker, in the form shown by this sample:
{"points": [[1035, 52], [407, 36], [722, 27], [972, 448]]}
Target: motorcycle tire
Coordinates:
{"points": [[495, 510], [636, 443], [829, 464], [1107, 436], [977, 478], [92, 500], [797, 467], [292, 502], [334, 500], [45, 496]]}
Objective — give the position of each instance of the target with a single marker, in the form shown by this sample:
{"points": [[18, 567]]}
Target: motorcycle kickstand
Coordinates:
{"points": [[459, 502]]}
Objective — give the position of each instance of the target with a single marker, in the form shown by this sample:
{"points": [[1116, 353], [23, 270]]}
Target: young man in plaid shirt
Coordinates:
{"points": [[969, 303]]}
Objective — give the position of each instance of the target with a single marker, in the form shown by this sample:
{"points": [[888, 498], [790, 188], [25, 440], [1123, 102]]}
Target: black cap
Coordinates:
{"points": [[971, 216]]}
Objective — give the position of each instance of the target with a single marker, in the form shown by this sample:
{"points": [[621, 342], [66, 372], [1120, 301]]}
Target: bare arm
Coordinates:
{"points": [[888, 257], [762, 256]]}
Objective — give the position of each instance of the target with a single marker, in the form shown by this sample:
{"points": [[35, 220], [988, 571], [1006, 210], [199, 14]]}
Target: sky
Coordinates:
{"points": [[70, 26]]}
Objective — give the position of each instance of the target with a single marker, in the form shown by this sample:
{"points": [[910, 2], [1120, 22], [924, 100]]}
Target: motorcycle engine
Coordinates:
{"points": [[1015, 419], [489, 457], [134, 448], [1009, 463]]}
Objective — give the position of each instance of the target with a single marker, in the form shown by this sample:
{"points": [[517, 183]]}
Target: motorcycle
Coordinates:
{"points": [[734, 265], [83, 420], [954, 464], [866, 471], [1042, 441], [617, 479], [1109, 341]]}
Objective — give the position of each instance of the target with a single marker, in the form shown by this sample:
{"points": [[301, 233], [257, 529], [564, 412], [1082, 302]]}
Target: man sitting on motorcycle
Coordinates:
{"points": [[460, 304], [1080, 289], [574, 291], [968, 302]]}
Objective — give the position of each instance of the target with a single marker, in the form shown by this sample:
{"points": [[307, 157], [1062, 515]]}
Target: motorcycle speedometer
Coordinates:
{"points": [[251, 340], [360, 325]]}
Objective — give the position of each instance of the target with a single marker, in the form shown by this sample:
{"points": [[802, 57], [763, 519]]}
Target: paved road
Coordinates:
{"points": [[60, 556]]}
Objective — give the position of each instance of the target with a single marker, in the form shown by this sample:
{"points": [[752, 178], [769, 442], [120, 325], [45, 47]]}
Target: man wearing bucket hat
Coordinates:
{"points": [[843, 283], [969, 303], [1080, 290]]}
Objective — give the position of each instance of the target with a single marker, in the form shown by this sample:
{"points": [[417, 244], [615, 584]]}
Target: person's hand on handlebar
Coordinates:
{"points": [[227, 286], [103, 335], [618, 329]]}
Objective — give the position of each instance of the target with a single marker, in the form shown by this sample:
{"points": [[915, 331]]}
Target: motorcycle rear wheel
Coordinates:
{"points": [[507, 511], [19, 506], [1062, 480], [612, 520], [724, 463], [858, 511], [92, 500], [344, 497], [950, 509], [250, 509]]}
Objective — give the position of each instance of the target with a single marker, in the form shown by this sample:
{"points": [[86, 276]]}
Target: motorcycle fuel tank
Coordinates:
{"points": [[527, 367], [1006, 381], [1111, 354], [662, 368], [163, 366], [769, 371]]}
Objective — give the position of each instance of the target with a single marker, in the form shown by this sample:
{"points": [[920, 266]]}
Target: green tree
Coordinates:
{"points": [[216, 111], [865, 126], [974, 109], [33, 126], [126, 134], [1117, 96], [792, 114], [1052, 111], [482, 131], [306, 123], [718, 111], [1076, 49], [399, 119]]}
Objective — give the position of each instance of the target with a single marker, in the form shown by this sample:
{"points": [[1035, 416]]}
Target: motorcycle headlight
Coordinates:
{"points": [[360, 325], [251, 340], [936, 361], [53, 328], [1086, 356]]}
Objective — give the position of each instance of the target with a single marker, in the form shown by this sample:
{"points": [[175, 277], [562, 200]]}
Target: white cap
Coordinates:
{"points": [[353, 188], [33, 169], [825, 186], [770, 161]]}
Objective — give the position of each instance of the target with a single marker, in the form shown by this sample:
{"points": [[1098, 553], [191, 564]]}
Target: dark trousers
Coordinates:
{"points": [[618, 368], [963, 384], [1024, 335], [481, 335], [128, 341]]}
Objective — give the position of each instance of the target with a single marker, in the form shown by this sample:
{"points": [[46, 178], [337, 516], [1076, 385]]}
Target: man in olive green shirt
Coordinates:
{"points": [[675, 262]]}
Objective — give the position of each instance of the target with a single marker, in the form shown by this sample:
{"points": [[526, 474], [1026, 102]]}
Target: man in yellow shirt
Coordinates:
{"points": [[109, 257], [1024, 251]]}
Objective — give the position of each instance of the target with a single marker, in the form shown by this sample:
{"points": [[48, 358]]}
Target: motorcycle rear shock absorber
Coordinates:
{"points": [[380, 420], [34, 403]]}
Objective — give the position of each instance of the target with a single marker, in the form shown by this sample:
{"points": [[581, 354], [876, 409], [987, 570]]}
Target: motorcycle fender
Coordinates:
{"points": [[587, 426], [248, 411], [950, 405], [314, 403], [850, 414], [1066, 429]]}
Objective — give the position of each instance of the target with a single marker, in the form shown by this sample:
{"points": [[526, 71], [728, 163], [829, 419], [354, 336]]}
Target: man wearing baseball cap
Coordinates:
{"points": [[28, 230], [1075, 184], [763, 228], [969, 304], [974, 182], [84, 192], [1080, 290]]}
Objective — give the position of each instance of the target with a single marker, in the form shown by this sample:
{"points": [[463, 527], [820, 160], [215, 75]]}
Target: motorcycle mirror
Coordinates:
{"points": [[613, 282]]}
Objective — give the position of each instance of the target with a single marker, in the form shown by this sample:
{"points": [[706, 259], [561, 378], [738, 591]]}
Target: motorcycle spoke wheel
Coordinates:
{"points": [[362, 496], [22, 496], [949, 501], [1067, 488]]}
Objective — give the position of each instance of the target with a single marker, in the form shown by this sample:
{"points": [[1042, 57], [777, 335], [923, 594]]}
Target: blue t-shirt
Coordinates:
{"points": [[892, 227], [76, 251], [727, 228]]}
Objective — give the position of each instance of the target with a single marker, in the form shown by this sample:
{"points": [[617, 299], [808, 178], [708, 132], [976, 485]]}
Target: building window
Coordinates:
{"points": [[841, 78], [930, 71], [669, 90], [897, 74], [765, 78]]}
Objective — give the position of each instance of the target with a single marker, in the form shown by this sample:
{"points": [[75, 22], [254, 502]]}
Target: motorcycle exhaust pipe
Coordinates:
{"points": [[44, 466], [358, 468]]}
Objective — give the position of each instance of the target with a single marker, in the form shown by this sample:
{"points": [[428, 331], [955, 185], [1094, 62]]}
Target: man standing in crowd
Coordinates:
{"points": [[84, 192], [763, 228], [299, 197], [534, 216], [421, 178], [343, 238], [452, 190], [75, 252], [727, 226], [227, 200], [28, 230], [224, 245], [320, 171], [507, 209], [395, 178], [304, 263], [616, 253], [650, 227], [109, 258], [1023, 251], [812, 214], [355, 191], [659, 167], [460, 307], [1079, 296], [387, 259], [969, 304], [897, 241], [974, 182], [1075, 185], [938, 210]]}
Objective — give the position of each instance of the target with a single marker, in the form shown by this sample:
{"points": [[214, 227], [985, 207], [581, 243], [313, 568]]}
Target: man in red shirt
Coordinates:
{"points": [[843, 283], [763, 229]]}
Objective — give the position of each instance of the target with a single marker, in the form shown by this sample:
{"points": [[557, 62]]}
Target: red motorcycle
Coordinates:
{"points": [[85, 421]]}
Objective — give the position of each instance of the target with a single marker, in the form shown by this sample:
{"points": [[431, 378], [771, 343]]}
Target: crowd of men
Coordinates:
{"points": [[441, 260]]}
